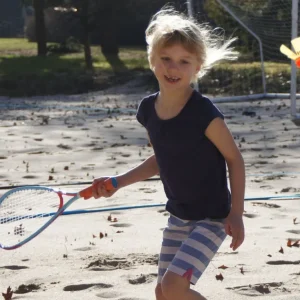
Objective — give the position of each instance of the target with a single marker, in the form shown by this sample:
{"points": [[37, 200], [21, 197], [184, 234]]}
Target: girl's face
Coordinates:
{"points": [[175, 67]]}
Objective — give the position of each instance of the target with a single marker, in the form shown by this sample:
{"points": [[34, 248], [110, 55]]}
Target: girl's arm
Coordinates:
{"points": [[219, 134], [146, 169]]}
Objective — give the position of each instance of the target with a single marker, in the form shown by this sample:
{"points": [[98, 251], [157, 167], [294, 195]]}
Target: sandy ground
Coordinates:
{"points": [[67, 141]]}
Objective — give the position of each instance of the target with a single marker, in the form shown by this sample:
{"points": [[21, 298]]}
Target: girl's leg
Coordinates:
{"points": [[158, 293], [174, 234], [176, 287], [191, 260]]}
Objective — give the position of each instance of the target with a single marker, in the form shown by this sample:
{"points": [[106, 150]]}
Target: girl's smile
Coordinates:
{"points": [[172, 80], [174, 66]]}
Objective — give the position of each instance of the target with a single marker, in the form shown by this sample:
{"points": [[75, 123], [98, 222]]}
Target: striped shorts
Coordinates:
{"points": [[189, 246]]}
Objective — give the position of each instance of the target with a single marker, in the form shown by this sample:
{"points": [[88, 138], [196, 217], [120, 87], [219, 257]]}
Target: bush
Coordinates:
{"points": [[70, 46]]}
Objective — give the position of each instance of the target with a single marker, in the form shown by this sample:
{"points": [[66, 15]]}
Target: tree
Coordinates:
{"points": [[107, 22], [85, 12], [40, 28], [86, 34]]}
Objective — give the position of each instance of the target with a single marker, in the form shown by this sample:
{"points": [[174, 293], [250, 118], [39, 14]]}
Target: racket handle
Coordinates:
{"points": [[110, 184]]}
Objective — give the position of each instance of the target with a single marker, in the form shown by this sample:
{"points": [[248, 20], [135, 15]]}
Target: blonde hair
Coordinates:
{"points": [[169, 27]]}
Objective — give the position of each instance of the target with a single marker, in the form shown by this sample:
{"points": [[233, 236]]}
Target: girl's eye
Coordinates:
{"points": [[165, 58], [184, 62]]}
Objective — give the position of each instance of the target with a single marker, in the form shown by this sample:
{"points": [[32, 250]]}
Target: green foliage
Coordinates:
{"points": [[70, 46], [24, 74], [270, 20]]}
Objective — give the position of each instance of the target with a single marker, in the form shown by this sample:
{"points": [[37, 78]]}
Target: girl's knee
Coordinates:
{"points": [[174, 286], [158, 292]]}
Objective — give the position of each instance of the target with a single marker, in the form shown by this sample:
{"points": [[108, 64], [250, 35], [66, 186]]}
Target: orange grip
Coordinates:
{"points": [[109, 184], [86, 193]]}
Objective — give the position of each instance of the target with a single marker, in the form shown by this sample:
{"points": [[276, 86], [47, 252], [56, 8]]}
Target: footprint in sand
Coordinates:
{"points": [[121, 225], [260, 289], [283, 262], [83, 249], [148, 190], [14, 267], [250, 216], [30, 177], [24, 289], [109, 263], [130, 298], [121, 163], [164, 212], [81, 287], [62, 146], [293, 231], [269, 205], [142, 279], [108, 295]]}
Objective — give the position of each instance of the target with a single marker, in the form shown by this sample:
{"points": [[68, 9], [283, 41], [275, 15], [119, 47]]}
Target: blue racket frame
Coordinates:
{"points": [[62, 208]]}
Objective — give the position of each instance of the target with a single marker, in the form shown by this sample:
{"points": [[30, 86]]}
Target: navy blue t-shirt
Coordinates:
{"points": [[192, 169]]}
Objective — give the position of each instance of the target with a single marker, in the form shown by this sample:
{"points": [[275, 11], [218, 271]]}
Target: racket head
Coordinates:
{"points": [[27, 211]]}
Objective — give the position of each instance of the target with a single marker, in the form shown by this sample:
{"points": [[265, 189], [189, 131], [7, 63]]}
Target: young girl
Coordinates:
{"points": [[192, 146]]}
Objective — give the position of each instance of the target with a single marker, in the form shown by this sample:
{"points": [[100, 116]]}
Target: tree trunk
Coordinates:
{"points": [[86, 35], [108, 30], [40, 27]]}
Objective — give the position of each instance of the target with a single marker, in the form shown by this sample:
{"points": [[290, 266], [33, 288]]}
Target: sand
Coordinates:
{"points": [[66, 141]]}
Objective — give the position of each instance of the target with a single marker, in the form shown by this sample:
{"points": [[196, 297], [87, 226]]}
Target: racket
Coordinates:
{"points": [[22, 211]]}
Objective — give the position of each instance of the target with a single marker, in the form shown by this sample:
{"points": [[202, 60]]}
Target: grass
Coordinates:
{"points": [[270, 67], [14, 44], [16, 55], [22, 73]]}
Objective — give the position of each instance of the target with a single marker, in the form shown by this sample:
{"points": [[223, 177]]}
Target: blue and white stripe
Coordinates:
{"points": [[189, 245]]}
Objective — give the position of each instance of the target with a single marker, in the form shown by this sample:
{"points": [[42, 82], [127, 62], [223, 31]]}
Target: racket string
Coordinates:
{"points": [[24, 212]]}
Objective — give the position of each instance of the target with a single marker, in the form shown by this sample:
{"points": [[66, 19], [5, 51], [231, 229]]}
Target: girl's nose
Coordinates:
{"points": [[172, 65]]}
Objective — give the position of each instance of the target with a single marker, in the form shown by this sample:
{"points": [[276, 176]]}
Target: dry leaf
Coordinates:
{"points": [[101, 235], [281, 250], [242, 270], [223, 267], [109, 218], [295, 221], [120, 231], [219, 277], [290, 243], [8, 294]]}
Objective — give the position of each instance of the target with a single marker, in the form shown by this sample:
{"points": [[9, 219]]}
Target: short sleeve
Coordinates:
{"points": [[140, 115], [210, 113]]}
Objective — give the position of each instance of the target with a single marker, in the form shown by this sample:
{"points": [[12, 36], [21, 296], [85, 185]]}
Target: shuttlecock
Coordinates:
{"points": [[294, 55], [296, 45]]}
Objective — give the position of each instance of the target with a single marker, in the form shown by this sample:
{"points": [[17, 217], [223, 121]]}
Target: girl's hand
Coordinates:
{"points": [[234, 226], [99, 190]]}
